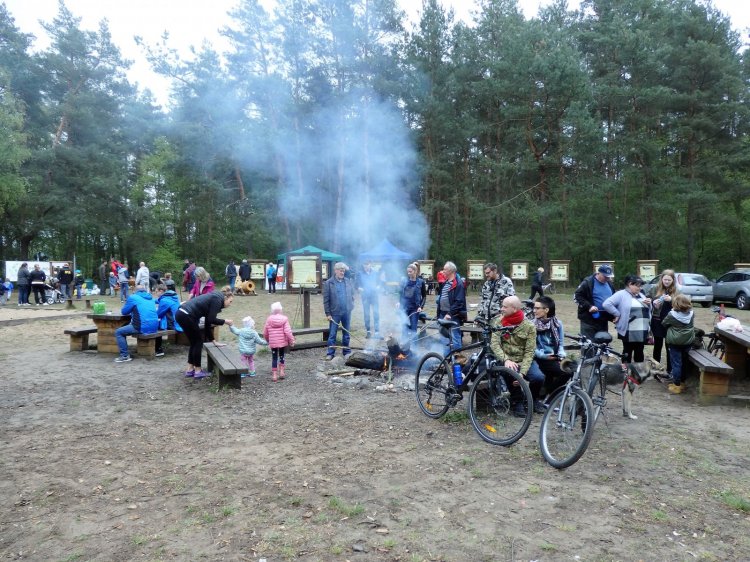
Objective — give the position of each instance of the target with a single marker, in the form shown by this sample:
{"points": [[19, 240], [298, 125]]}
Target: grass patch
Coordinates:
{"points": [[140, 540], [456, 416], [534, 488], [337, 504], [548, 547], [735, 501], [296, 501], [74, 556], [227, 510], [389, 544], [659, 515]]}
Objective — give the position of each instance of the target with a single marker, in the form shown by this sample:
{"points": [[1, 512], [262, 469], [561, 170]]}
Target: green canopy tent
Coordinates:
{"points": [[328, 258]]}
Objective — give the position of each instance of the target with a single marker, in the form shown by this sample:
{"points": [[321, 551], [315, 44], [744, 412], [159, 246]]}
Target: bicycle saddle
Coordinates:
{"points": [[447, 323], [602, 337]]}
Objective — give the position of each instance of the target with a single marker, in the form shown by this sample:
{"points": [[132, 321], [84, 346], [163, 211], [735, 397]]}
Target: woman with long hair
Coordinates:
{"points": [[661, 296]]}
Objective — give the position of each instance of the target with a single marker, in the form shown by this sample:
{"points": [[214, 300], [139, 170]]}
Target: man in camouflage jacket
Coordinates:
{"points": [[495, 289]]}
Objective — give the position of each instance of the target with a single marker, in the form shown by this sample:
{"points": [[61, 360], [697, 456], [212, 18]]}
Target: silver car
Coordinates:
{"points": [[695, 285], [734, 287]]}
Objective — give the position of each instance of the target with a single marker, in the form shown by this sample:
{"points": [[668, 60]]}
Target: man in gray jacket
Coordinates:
{"points": [[338, 303]]}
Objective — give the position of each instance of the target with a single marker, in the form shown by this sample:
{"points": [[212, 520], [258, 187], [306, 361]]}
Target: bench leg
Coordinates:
{"points": [[79, 343], [146, 348], [714, 384], [232, 381]]}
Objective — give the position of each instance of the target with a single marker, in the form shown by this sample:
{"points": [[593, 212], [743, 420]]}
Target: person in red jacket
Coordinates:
{"points": [[278, 333]]}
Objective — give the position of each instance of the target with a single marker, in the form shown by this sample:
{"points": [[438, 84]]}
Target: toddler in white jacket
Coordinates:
{"points": [[248, 340]]}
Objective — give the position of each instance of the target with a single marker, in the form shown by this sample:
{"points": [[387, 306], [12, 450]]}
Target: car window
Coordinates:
{"points": [[694, 280], [654, 281], [726, 278]]}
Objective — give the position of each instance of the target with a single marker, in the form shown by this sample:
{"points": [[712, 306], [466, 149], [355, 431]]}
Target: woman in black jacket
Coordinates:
{"points": [[188, 317]]}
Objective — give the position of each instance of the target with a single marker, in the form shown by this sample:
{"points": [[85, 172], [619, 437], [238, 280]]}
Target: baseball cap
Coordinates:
{"points": [[606, 269]]}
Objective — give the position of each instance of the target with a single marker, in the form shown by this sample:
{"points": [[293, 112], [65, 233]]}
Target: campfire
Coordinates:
{"points": [[378, 361]]}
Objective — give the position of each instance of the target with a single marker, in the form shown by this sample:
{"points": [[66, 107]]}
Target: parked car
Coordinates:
{"points": [[697, 286], [734, 287]]}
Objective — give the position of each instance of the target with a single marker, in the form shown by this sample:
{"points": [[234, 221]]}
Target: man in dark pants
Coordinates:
{"points": [[589, 296]]}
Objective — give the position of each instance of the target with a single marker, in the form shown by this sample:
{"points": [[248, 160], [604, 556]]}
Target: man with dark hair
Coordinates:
{"points": [[496, 287]]}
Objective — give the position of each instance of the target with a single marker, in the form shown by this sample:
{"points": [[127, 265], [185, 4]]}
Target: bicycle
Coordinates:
{"points": [[493, 390], [568, 424], [549, 288]]}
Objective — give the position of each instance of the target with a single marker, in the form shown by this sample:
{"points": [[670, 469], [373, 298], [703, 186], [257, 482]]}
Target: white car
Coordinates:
{"points": [[696, 286]]}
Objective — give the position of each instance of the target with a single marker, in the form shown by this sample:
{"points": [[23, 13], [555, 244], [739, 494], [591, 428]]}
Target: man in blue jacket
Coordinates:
{"points": [[338, 303], [143, 320]]}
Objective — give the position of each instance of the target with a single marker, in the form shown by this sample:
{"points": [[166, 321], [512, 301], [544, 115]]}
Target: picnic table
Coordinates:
{"points": [[106, 325], [737, 346]]}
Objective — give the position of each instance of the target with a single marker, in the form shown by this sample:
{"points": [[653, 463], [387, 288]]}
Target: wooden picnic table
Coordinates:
{"points": [[106, 324], [737, 348]]}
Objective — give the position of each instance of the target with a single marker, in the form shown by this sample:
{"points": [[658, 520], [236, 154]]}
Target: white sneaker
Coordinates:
{"points": [[122, 359]]}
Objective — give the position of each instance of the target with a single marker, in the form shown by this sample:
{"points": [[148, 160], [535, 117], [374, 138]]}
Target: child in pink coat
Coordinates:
{"points": [[278, 333]]}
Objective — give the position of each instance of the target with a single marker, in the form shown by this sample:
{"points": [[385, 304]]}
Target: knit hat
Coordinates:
{"points": [[276, 307], [248, 322]]}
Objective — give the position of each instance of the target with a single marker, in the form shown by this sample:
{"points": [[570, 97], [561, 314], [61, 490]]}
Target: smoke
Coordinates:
{"points": [[356, 172]]}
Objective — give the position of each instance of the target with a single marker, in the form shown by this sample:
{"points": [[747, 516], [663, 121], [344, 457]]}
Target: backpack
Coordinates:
{"points": [[192, 277]]}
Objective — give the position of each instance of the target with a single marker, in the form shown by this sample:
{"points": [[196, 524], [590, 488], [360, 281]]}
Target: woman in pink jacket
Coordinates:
{"points": [[203, 283], [278, 333]]}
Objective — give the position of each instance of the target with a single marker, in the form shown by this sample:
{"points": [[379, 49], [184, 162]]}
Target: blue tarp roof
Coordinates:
{"points": [[384, 251]]}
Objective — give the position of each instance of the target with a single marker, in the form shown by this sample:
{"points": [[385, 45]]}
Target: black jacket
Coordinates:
{"points": [[584, 298], [206, 306]]}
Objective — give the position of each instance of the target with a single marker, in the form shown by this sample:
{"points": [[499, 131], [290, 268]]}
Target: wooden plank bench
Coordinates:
{"points": [[714, 374], [310, 344], [79, 337], [146, 343], [227, 362]]}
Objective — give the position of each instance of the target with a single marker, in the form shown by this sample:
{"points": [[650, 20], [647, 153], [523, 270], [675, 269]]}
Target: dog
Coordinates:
{"points": [[635, 375], [630, 376]]}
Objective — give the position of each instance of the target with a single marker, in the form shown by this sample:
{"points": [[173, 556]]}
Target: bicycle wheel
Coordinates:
{"points": [[565, 433], [491, 406], [432, 384]]}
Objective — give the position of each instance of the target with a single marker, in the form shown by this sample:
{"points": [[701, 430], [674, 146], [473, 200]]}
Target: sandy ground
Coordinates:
{"points": [[105, 461]]}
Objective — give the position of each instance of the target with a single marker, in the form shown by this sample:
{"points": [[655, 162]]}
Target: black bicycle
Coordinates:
{"points": [[568, 424], [494, 390]]}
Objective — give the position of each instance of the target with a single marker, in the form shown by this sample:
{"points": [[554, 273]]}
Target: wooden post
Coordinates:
{"points": [[305, 308]]}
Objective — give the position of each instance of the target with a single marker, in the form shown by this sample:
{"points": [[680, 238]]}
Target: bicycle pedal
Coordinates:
{"points": [[599, 401]]}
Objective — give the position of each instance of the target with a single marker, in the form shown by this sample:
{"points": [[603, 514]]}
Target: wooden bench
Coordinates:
{"points": [[310, 344], [79, 337], [146, 343], [227, 362], [714, 374]]}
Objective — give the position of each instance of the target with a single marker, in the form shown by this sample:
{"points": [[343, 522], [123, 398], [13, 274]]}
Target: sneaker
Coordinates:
{"points": [[377, 335], [200, 374], [190, 374], [123, 359], [252, 374], [244, 375], [675, 389], [329, 358], [539, 407], [45, 304], [159, 354]]}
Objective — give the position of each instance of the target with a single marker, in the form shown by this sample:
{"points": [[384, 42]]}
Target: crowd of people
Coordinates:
{"points": [[533, 347]]}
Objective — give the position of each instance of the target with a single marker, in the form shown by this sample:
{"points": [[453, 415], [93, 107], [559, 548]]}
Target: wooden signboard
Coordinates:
{"points": [[475, 270], [304, 271], [559, 271], [519, 270], [426, 268], [647, 269], [258, 269]]}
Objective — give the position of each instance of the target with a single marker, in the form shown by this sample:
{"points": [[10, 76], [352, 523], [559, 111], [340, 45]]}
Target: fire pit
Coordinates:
{"points": [[396, 358]]}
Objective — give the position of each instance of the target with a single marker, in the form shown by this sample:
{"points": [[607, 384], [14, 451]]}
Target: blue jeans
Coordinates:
{"points": [[370, 302], [122, 338], [231, 283], [345, 319], [410, 328], [676, 354], [123, 292], [535, 377]]}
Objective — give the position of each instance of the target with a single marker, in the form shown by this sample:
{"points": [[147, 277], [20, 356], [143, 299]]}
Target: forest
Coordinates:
{"points": [[617, 131]]}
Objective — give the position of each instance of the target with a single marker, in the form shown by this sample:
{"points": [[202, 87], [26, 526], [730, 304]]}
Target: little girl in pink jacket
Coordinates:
{"points": [[278, 333]]}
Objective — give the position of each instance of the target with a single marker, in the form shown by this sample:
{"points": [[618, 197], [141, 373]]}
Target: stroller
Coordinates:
{"points": [[51, 294]]}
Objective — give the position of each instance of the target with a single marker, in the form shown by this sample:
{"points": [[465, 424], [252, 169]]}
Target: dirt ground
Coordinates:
{"points": [[105, 461]]}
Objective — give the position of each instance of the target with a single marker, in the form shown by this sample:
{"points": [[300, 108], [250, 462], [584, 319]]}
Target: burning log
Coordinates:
{"points": [[376, 361]]}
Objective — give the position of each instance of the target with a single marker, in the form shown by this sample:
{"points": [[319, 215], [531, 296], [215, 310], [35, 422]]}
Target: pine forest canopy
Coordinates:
{"points": [[619, 131]]}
